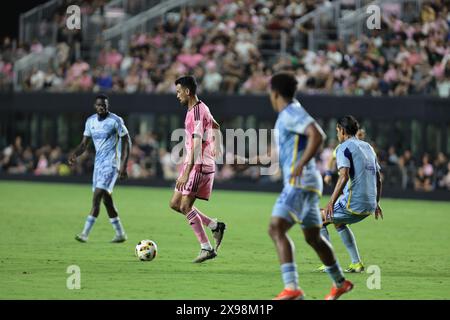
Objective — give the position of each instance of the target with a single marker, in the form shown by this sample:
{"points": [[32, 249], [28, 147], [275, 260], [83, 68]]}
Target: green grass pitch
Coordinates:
{"points": [[39, 221]]}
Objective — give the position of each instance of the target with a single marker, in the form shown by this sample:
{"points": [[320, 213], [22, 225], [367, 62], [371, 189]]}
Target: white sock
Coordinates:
{"points": [[213, 224], [117, 225], [90, 220], [206, 246]]}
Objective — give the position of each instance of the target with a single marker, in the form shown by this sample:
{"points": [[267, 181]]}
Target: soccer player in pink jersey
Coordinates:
{"points": [[197, 175]]}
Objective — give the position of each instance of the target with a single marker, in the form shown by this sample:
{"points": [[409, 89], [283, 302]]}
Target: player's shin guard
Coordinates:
{"points": [[196, 224], [290, 275], [207, 221], [117, 225], [90, 220], [349, 241], [324, 233], [335, 273]]}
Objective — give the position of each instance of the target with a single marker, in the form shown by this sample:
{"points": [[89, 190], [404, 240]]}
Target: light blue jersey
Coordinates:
{"points": [[106, 135], [299, 200], [360, 194], [291, 130]]}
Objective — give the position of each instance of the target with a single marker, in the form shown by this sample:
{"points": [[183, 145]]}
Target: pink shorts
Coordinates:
{"points": [[199, 184]]}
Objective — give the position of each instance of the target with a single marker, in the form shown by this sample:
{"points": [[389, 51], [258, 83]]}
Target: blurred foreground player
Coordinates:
{"points": [[112, 146], [197, 175], [299, 139]]}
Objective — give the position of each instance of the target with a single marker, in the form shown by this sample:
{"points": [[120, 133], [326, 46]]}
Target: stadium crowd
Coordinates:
{"points": [[229, 47], [148, 160]]}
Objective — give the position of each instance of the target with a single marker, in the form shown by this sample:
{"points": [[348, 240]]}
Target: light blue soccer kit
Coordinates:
{"points": [[106, 135], [359, 198], [299, 200]]}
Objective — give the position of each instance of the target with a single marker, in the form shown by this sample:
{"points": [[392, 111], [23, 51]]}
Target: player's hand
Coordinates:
{"points": [[327, 179], [297, 172], [72, 159], [123, 174], [378, 212], [329, 211], [181, 181]]}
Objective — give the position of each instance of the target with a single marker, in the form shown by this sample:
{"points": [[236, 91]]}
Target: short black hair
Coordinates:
{"points": [[349, 124], [102, 96], [188, 82], [285, 84]]}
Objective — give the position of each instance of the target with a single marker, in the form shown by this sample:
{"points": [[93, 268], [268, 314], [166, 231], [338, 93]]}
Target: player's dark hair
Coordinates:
{"points": [[189, 83], [285, 84], [102, 96], [349, 124]]}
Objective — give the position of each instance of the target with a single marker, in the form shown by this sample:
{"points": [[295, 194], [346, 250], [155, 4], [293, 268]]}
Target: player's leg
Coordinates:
{"points": [[349, 241], [114, 218], [332, 268], [175, 202], [187, 209], [311, 224], [92, 217], [278, 229], [204, 192], [324, 233], [280, 223]]}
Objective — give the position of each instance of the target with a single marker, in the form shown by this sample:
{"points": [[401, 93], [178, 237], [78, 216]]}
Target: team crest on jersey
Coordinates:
{"points": [[107, 127]]}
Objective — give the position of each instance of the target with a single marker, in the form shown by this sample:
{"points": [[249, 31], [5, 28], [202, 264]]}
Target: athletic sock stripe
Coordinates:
{"points": [[191, 215]]}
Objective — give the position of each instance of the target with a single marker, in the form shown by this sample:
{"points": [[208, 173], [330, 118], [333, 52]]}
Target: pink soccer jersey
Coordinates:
{"points": [[199, 122]]}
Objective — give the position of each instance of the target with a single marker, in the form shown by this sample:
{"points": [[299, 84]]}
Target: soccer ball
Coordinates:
{"points": [[146, 250]]}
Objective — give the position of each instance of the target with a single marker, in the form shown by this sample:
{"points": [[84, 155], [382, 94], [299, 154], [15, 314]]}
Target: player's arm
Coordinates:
{"points": [[329, 170], [378, 210], [79, 150], [217, 134], [315, 138], [124, 157], [215, 125], [344, 176]]}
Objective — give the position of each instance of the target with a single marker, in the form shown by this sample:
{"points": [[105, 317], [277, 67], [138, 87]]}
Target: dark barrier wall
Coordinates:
{"points": [[389, 192], [377, 108]]}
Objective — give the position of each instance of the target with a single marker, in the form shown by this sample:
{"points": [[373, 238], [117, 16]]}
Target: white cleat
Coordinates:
{"points": [[119, 238], [81, 237]]}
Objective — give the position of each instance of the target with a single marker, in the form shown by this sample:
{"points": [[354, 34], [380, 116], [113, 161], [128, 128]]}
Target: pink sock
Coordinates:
{"points": [[196, 224], [207, 221]]}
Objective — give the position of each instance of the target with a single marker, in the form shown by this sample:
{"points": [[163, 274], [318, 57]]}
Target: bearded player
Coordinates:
{"points": [[197, 175]]}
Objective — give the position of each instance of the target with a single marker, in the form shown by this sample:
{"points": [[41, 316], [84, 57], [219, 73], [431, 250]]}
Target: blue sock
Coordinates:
{"points": [[289, 275], [335, 273], [117, 225], [324, 233], [350, 243], [90, 220]]}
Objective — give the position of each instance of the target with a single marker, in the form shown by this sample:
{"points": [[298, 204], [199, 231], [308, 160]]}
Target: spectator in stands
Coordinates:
{"points": [[392, 156], [441, 169], [422, 182], [445, 181]]}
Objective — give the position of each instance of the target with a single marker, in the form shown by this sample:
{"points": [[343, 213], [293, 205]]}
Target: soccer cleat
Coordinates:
{"points": [[336, 292], [81, 238], [205, 255], [119, 238], [218, 233], [289, 294], [321, 268], [355, 268]]}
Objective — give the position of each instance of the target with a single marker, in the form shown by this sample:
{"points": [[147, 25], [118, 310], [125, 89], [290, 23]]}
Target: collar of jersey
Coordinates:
{"points": [[100, 120]]}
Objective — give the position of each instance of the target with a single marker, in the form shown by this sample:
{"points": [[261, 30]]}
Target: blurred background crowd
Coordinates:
{"points": [[225, 46]]}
